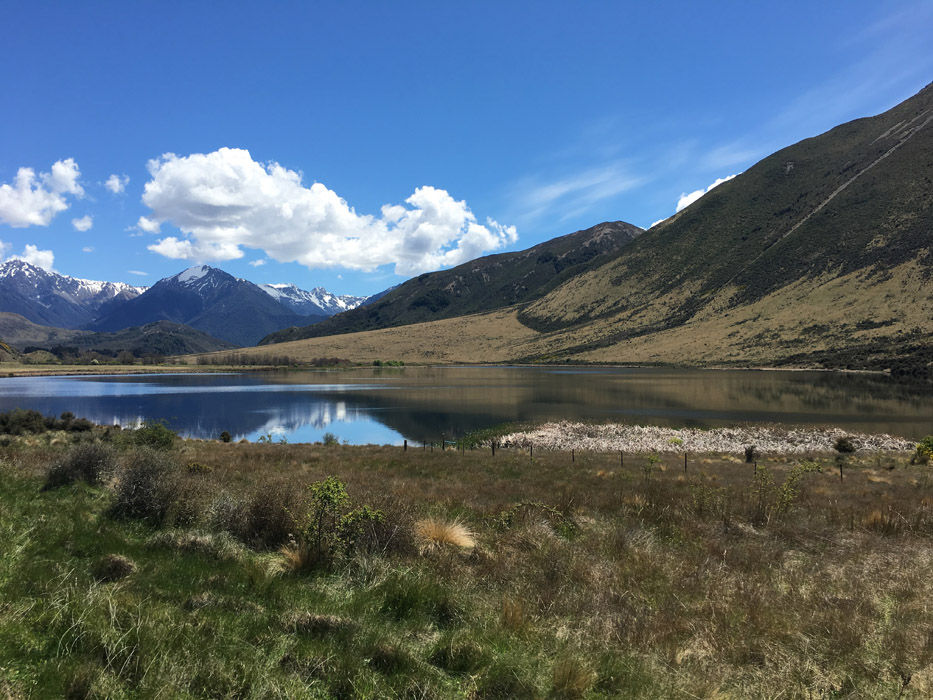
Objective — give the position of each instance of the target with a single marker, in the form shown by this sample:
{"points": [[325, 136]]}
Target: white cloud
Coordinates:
{"points": [[87, 249], [575, 194], [225, 201], [658, 222], [35, 200], [258, 263], [138, 272], [117, 183], [40, 258], [84, 223], [686, 199], [148, 225]]}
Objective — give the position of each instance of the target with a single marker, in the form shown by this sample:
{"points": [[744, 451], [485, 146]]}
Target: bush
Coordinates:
{"points": [[751, 454], [225, 436], [154, 435], [329, 529], [844, 445], [330, 439], [269, 522], [146, 487], [90, 463], [924, 451]]}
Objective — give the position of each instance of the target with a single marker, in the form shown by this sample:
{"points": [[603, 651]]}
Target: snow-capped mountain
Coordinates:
{"points": [[57, 300], [317, 301], [203, 297], [210, 300]]}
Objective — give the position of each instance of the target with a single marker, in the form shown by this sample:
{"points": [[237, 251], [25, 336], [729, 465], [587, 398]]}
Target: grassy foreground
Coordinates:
{"points": [[211, 570]]}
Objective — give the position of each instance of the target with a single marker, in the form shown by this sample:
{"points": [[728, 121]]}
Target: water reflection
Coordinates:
{"points": [[386, 406]]}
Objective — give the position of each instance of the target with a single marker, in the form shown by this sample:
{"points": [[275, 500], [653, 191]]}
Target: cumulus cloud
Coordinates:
{"points": [[686, 199], [258, 263], [84, 223], [117, 183], [40, 258], [34, 200], [148, 225], [225, 201]]}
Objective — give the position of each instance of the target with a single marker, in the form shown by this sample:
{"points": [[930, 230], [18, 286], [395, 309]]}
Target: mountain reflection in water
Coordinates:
{"points": [[428, 403]]}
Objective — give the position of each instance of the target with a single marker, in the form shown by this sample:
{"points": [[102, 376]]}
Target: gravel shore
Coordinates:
{"points": [[639, 439]]}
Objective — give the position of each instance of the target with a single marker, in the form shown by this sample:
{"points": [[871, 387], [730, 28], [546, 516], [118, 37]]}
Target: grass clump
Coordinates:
{"points": [[571, 678], [435, 533], [90, 463], [113, 567]]}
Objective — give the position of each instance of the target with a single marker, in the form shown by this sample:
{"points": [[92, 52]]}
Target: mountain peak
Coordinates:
{"points": [[193, 274]]}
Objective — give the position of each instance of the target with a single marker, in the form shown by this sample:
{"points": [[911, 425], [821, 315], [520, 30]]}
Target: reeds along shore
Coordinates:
{"points": [[303, 570]]}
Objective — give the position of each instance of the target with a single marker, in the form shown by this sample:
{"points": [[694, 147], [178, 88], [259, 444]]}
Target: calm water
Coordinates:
{"points": [[387, 405]]}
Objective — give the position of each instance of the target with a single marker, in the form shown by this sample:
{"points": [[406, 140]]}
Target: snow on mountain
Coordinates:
{"points": [[316, 301], [192, 274], [49, 298]]}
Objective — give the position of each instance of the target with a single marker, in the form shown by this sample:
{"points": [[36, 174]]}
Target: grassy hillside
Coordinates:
{"points": [[198, 570], [484, 284], [855, 202]]}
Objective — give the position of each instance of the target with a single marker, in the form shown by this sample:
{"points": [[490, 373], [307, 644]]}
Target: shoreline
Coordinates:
{"points": [[17, 370], [620, 437]]}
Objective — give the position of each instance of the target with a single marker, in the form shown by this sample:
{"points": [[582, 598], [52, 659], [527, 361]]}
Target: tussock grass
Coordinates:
{"points": [[434, 533]]}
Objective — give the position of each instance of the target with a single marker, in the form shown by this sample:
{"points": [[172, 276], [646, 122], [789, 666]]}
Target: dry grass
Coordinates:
{"points": [[718, 334], [435, 533]]}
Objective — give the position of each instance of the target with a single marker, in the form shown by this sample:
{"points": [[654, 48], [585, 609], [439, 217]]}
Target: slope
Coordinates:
{"points": [[487, 283], [857, 197]]}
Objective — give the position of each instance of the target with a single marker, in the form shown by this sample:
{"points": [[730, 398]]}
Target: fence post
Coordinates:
{"points": [[573, 457], [405, 446], [685, 462], [531, 452]]}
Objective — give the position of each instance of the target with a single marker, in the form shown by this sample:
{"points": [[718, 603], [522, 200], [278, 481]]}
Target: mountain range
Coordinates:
{"points": [[207, 299], [820, 254]]}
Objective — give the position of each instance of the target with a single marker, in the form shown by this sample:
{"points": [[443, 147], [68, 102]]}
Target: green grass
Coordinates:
{"points": [[587, 580]]}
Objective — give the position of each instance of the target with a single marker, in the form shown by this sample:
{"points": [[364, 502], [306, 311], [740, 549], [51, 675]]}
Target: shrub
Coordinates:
{"points": [[924, 451], [751, 454], [268, 520], [844, 445], [154, 435], [330, 439], [146, 487], [90, 463], [329, 530], [225, 436]]}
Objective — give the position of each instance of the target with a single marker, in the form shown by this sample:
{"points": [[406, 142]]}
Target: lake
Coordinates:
{"points": [[387, 405]]}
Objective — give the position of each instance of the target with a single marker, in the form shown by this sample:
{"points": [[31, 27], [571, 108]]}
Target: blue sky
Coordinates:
{"points": [[354, 144]]}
